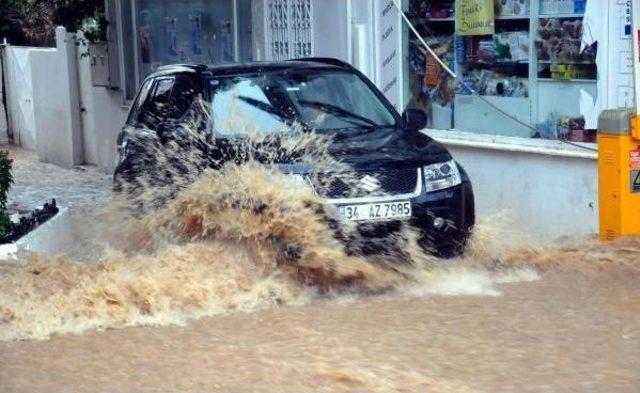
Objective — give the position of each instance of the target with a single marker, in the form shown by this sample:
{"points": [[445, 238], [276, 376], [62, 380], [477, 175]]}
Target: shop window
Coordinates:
{"points": [[195, 32], [521, 70]]}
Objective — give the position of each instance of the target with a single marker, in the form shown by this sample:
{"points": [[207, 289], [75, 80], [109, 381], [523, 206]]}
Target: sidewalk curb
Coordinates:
{"points": [[42, 239]]}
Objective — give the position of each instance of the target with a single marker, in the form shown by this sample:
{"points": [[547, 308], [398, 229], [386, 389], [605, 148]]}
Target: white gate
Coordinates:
{"points": [[4, 138], [20, 96], [289, 29]]}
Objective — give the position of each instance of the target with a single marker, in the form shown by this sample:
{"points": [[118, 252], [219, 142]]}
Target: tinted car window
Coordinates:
{"points": [[157, 105], [169, 100], [183, 94], [134, 114]]}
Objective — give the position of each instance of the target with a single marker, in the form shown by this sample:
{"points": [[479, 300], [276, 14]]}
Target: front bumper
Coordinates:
{"points": [[454, 205]]}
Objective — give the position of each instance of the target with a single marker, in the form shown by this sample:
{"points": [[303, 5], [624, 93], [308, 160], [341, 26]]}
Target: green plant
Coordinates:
{"points": [[33, 22], [6, 179]]}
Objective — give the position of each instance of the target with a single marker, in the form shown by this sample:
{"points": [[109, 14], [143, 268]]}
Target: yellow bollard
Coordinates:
{"points": [[619, 173]]}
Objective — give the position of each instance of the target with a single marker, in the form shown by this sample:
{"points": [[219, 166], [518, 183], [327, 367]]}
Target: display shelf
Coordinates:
{"points": [[427, 20], [496, 63], [566, 62], [561, 16], [567, 80], [512, 17]]}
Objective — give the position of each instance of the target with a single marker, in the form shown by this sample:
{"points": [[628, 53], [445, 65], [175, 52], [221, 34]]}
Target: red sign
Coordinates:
{"points": [[634, 159]]}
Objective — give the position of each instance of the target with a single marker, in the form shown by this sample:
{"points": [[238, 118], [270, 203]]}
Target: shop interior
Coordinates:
{"points": [[532, 68]]}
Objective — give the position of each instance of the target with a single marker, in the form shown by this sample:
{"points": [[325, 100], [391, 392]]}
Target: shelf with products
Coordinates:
{"points": [[497, 65], [564, 70], [558, 51], [519, 68], [431, 86]]}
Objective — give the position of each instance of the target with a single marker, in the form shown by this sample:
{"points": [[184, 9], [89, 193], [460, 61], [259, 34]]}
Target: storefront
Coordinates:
{"points": [[534, 65], [521, 115]]}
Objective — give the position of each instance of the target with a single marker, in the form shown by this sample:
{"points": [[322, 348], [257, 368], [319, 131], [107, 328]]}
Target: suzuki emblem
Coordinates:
{"points": [[369, 183]]}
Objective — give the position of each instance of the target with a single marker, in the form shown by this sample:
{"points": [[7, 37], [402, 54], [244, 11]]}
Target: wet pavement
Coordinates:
{"points": [[35, 182]]}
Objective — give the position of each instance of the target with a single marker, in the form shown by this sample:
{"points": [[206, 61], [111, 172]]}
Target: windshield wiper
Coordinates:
{"points": [[336, 110], [263, 106]]}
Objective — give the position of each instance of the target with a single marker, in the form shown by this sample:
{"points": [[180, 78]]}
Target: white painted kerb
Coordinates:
{"points": [[44, 239]]}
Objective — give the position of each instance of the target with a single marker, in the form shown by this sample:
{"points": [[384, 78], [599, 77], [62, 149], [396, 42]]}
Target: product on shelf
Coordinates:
{"points": [[573, 129], [569, 71], [490, 83], [512, 46], [431, 9], [559, 42], [553, 7], [433, 83], [512, 7]]}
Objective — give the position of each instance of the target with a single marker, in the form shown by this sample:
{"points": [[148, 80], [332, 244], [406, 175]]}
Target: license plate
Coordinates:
{"points": [[376, 211]]}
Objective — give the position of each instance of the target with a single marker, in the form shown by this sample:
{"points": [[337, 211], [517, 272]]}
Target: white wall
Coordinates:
{"points": [[546, 196], [4, 137], [103, 114], [110, 116], [55, 109], [87, 108], [55, 97], [19, 88], [330, 25]]}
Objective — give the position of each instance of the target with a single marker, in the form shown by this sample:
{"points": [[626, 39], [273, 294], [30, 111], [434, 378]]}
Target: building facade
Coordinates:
{"points": [[531, 77]]}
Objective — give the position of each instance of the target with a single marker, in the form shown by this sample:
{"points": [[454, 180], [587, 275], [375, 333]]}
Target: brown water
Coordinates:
{"points": [[239, 285]]}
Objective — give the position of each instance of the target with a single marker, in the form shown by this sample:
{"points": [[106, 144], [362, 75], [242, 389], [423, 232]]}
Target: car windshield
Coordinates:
{"points": [[272, 102]]}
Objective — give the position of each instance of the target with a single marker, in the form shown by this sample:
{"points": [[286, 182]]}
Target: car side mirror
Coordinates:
{"points": [[414, 119]]}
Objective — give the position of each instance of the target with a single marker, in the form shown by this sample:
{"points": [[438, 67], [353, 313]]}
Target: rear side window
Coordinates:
{"points": [[169, 99], [134, 114]]}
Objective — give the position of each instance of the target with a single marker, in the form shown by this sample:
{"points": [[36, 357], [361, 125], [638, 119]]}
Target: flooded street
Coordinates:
{"points": [[207, 295], [571, 331]]}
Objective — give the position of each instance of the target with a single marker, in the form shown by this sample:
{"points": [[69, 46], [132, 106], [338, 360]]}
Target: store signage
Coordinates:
{"points": [[475, 17], [634, 159], [388, 58]]}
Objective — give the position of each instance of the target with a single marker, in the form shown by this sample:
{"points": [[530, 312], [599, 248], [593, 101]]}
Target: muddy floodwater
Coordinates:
{"points": [[570, 331], [239, 285]]}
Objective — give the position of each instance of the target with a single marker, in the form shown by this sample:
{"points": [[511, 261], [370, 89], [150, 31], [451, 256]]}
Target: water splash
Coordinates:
{"points": [[217, 237]]}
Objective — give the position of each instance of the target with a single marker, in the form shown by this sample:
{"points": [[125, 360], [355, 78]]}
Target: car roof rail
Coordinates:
{"points": [[325, 60], [169, 67]]}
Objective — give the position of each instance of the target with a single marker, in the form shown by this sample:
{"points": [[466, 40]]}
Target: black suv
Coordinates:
{"points": [[402, 175]]}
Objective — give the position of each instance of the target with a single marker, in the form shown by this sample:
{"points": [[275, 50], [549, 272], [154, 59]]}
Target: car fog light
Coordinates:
{"points": [[438, 222]]}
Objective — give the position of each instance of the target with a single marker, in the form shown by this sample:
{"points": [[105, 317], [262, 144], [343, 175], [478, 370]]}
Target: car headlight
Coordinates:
{"points": [[441, 176]]}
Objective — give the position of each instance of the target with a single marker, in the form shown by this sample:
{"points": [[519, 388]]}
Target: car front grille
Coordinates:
{"points": [[366, 184]]}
